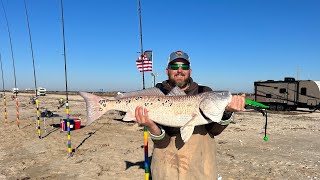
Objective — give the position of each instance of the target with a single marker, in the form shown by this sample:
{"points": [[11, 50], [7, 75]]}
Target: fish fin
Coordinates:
{"points": [[176, 91], [129, 116], [186, 132], [94, 110], [145, 92]]}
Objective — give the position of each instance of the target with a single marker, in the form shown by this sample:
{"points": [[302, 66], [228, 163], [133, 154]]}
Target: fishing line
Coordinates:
{"points": [[4, 94], [66, 83], [14, 69], [34, 73], [249, 104], [265, 127]]}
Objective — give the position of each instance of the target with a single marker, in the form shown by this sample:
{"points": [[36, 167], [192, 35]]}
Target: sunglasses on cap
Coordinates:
{"points": [[176, 66]]}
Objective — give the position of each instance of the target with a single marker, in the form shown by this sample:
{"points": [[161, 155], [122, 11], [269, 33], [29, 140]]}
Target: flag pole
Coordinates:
{"points": [[141, 45]]}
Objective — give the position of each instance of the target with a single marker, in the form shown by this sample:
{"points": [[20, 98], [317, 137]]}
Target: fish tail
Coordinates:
{"points": [[94, 110]]}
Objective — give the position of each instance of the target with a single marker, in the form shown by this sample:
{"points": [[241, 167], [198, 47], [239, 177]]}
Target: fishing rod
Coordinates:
{"points": [[4, 94], [145, 130], [14, 69], [34, 73], [66, 84], [249, 104]]}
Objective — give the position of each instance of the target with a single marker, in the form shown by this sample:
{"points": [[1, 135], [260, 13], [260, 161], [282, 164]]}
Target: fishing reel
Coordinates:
{"points": [[262, 111]]}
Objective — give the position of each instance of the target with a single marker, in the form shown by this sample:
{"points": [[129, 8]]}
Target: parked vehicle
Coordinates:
{"points": [[41, 91], [288, 94], [15, 90]]}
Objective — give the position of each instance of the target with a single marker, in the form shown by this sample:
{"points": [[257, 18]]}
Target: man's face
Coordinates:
{"points": [[179, 77]]}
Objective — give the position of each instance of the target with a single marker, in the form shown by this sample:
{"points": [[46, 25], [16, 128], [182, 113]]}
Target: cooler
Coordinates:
{"points": [[75, 123]]}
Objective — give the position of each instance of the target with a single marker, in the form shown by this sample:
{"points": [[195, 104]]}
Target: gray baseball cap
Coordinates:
{"points": [[178, 55]]}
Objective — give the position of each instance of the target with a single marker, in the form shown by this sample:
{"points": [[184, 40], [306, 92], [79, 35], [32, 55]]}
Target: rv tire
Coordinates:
{"points": [[280, 107], [273, 107], [292, 108]]}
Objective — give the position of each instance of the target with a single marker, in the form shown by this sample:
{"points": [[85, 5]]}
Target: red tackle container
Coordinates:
{"points": [[75, 123]]}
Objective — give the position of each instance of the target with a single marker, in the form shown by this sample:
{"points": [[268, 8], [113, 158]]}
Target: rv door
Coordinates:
{"points": [[292, 93]]}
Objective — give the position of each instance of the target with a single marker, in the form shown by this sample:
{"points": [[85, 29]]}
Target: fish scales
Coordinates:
{"points": [[177, 104], [160, 109]]}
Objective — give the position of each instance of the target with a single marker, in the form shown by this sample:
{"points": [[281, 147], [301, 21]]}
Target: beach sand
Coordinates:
{"points": [[112, 149]]}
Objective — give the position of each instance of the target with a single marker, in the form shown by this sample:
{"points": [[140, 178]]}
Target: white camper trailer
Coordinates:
{"points": [[289, 94], [41, 91]]}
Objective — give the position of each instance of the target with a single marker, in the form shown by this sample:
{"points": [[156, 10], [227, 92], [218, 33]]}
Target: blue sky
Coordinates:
{"points": [[231, 43]]}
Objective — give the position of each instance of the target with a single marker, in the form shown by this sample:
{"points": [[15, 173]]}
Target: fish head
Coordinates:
{"points": [[213, 104]]}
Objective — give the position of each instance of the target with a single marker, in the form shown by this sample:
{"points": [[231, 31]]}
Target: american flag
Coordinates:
{"points": [[144, 63]]}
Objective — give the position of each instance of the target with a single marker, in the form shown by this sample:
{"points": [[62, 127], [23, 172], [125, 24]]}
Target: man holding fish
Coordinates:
{"points": [[182, 118], [180, 155]]}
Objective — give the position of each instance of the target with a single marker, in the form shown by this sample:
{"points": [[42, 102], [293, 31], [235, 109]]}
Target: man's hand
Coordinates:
{"points": [[237, 103], [142, 118]]}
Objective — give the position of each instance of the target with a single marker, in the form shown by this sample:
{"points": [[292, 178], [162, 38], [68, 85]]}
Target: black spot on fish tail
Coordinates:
{"points": [[103, 102], [138, 98], [128, 101]]}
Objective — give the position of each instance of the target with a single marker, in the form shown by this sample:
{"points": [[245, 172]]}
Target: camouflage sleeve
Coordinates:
{"points": [[226, 118], [162, 142], [214, 128], [159, 137], [206, 89]]}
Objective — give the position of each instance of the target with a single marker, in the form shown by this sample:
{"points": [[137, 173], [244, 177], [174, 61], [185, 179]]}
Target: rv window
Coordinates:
{"points": [[268, 95], [282, 90], [303, 91]]}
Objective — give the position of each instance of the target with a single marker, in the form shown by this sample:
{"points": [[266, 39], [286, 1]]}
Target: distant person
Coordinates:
{"points": [[195, 159]]}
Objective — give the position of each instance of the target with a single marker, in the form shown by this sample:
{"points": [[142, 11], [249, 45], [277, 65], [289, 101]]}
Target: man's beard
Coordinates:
{"points": [[180, 84]]}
